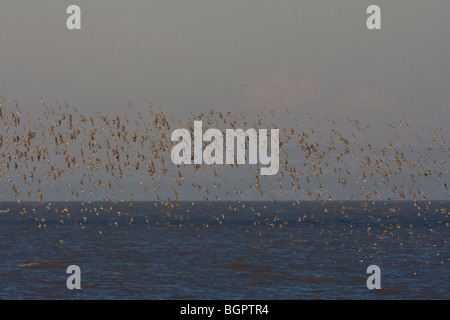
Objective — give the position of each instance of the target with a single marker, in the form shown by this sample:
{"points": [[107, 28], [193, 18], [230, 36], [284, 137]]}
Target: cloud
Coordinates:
{"points": [[280, 90], [444, 107], [368, 99]]}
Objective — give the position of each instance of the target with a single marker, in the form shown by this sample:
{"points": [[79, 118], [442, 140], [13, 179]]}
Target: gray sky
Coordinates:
{"points": [[235, 55], [195, 55]]}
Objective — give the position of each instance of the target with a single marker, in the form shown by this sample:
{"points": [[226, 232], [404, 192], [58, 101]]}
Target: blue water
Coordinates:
{"points": [[261, 250]]}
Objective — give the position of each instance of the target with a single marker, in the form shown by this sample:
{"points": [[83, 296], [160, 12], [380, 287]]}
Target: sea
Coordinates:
{"points": [[292, 250]]}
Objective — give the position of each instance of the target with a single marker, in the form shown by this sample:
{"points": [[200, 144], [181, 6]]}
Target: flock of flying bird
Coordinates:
{"points": [[84, 156]]}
